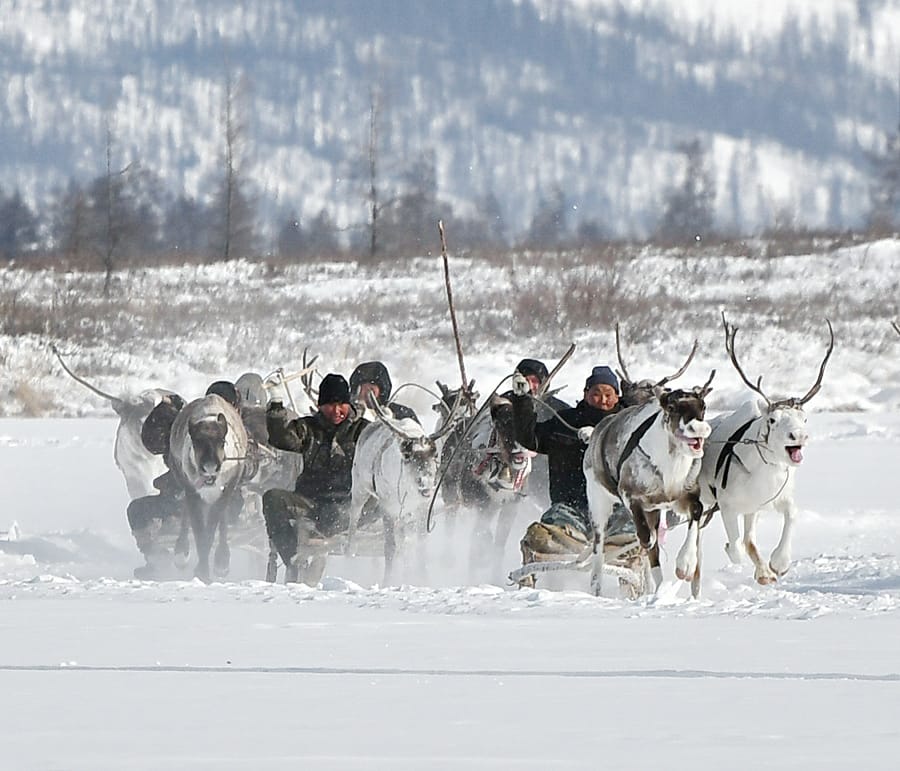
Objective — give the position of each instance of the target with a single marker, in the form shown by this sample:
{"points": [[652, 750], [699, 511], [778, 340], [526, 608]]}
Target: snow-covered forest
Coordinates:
{"points": [[525, 121]]}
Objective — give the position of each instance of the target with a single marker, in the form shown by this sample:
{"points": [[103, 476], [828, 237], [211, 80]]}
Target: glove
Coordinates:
{"points": [[520, 385]]}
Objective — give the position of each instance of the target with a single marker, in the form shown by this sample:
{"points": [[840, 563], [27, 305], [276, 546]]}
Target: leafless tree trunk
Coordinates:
{"points": [[232, 133], [374, 116], [112, 233]]}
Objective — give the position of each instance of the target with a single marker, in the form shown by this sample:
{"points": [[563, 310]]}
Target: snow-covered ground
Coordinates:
{"points": [[99, 671]]}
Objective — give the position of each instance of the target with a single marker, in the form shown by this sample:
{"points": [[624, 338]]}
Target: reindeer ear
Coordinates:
{"points": [[223, 423]]}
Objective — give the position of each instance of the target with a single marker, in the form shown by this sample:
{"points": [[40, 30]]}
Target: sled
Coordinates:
{"points": [[548, 548]]}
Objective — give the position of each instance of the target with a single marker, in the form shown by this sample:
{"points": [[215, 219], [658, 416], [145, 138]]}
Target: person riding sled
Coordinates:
{"points": [[299, 521]]}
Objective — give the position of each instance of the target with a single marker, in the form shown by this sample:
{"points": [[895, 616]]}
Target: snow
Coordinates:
{"points": [[100, 671]]}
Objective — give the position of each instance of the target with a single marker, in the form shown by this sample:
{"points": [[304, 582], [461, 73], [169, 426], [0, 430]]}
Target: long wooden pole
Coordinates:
{"points": [[459, 353]]}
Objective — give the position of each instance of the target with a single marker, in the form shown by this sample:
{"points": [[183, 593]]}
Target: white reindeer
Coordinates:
{"points": [[648, 457], [754, 454], [138, 465], [396, 466]]}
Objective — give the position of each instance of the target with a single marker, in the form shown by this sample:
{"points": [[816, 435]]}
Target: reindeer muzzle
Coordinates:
{"points": [[795, 453]]}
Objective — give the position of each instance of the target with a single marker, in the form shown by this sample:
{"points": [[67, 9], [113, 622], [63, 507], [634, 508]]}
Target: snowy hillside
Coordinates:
{"points": [[182, 327], [516, 100]]}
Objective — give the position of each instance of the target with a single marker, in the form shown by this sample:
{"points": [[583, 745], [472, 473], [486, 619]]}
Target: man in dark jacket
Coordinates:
{"points": [[319, 505], [536, 373], [372, 377], [557, 438]]}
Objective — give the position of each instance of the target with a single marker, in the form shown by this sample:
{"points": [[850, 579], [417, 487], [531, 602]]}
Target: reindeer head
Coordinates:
{"points": [[418, 451], [784, 434], [208, 441], [635, 393], [685, 417], [420, 455]]}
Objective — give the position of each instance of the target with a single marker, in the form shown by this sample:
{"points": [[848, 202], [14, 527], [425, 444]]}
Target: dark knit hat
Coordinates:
{"points": [[372, 372], [533, 367], [602, 375], [226, 390], [334, 389]]}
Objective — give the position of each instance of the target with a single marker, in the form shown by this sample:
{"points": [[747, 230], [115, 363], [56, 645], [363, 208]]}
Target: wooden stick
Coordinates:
{"points": [[459, 353]]}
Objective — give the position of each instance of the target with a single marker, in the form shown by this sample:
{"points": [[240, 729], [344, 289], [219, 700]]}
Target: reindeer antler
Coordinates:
{"points": [[384, 416], [896, 328], [542, 391], [730, 333], [818, 384], [627, 378], [623, 371], [684, 367]]}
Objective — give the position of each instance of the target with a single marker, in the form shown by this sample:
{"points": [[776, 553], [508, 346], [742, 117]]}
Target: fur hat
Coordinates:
{"points": [[226, 390], [533, 367], [334, 389], [372, 372], [251, 389], [602, 375]]}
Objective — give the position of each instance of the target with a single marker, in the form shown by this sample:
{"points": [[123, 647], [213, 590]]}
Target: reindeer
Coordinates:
{"points": [[207, 452], [637, 392], [758, 449], [648, 457], [483, 468], [137, 464], [396, 465]]}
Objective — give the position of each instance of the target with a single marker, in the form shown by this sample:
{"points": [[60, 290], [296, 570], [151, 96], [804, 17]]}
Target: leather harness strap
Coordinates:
{"points": [[630, 446], [727, 454]]}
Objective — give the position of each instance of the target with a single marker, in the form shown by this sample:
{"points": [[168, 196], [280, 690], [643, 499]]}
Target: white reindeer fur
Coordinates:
{"points": [[661, 466], [380, 471], [761, 475], [138, 465]]}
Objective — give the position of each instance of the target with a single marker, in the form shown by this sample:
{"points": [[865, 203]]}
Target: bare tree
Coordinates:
{"points": [[885, 190], [689, 207], [233, 201], [18, 227], [112, 233], [374, 109]]}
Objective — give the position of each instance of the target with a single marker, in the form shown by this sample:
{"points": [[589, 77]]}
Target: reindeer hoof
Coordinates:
{"points": [[778, 572], [682, 575], [765, 580]]}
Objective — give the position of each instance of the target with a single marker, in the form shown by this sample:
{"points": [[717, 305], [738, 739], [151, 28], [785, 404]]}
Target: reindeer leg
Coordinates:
{"points": [[390, 547], [649, 540], [763, 573], [695, 581], [600, 505], [733, 548], [222, 558], [780, 560], [505, 518], [182, 551], [202, 540], [687, 563], [226, 510]]}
